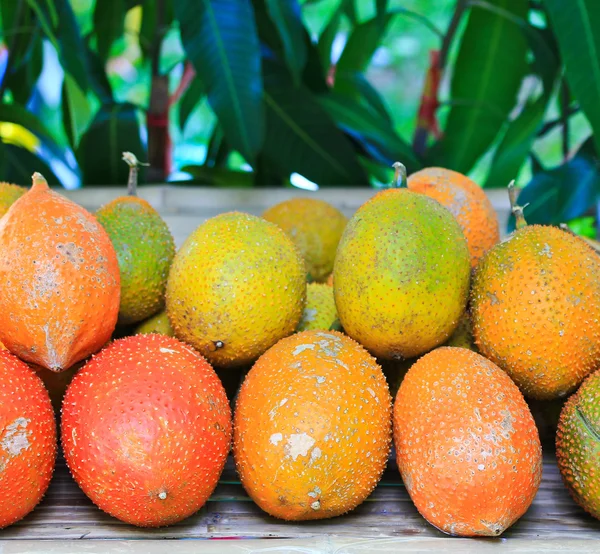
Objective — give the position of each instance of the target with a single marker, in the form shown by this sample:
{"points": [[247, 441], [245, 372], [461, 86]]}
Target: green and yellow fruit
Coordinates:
{"points": [[578, 445], [401, 274], [236, 287], [145, 249], [315, 226], [319, 312]]}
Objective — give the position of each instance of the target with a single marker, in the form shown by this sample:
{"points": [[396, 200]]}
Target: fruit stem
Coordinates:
{"points": [[517, 210], [39, 182], [133, 164], [399, 181]]}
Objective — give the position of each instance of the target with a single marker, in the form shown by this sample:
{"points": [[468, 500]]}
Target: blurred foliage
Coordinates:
{"points": [[307, 93]]}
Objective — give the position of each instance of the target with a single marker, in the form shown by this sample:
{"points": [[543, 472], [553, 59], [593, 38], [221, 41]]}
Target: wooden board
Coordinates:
{"points": [[66, 513]]}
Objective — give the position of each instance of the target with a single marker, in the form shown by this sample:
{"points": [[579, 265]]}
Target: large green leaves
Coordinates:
{"points": [[373, 131], [563, 193], [23, 36], [516, 144], [486, 77], [114, 130], [28, 144], [220, 39], [109, 23], [301, 137], [577, 28], [287, 17]]}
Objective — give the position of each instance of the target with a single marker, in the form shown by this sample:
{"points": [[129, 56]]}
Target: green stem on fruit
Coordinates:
{"points": [[134, 165], [399, 181], [517, 210]]}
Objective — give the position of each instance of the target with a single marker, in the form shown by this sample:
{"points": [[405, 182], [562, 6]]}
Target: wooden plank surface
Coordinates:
{"points": [[66, 513]]}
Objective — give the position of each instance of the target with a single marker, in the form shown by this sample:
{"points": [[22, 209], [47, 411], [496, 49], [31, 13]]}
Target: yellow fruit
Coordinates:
{"points": [[312, 426], [401, 274], [236, 287], [158, 323], [9, 193], [319, 312], [315, 227]]}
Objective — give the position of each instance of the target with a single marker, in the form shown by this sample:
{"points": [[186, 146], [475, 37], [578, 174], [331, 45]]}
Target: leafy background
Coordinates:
{"points": [[312, 93]]}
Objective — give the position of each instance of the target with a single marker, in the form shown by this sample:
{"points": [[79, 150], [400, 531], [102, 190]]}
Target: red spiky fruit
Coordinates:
{"points": [[27, 439], [146, 429]]}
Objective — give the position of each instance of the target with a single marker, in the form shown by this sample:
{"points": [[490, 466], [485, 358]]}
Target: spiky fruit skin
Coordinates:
{"points": [[237, 286], [145, 249], [312, 427], [60, 280], [468, 203], [146, 429], [315, 226], [467, 446], [158, 323], [401, 274], [535, 308], [319, 312], [578, 445], [9, 194], [27, 439]]}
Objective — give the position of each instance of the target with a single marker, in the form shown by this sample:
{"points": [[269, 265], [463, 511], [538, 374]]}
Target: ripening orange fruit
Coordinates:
{"points": [[312, 426], [466, 443]]}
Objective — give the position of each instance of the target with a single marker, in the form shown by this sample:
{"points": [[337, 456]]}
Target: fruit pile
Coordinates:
{"points": [[410, 325]]}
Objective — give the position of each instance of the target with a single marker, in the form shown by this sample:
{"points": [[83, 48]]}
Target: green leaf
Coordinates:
{"points": [[29, 133], [26, 52], [60, 26], [218, 150], [577, 30], [301, 137], [356, 86], [76, 110], [17, 165], [367, 37], [516, 143], [313, 75], [148, 27], [109, 24], [486, 77], [562, 193], [190, 99], [220, 39], [115, 129], [361, 123], [330, 32], [287, 17], [97, 76]]}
